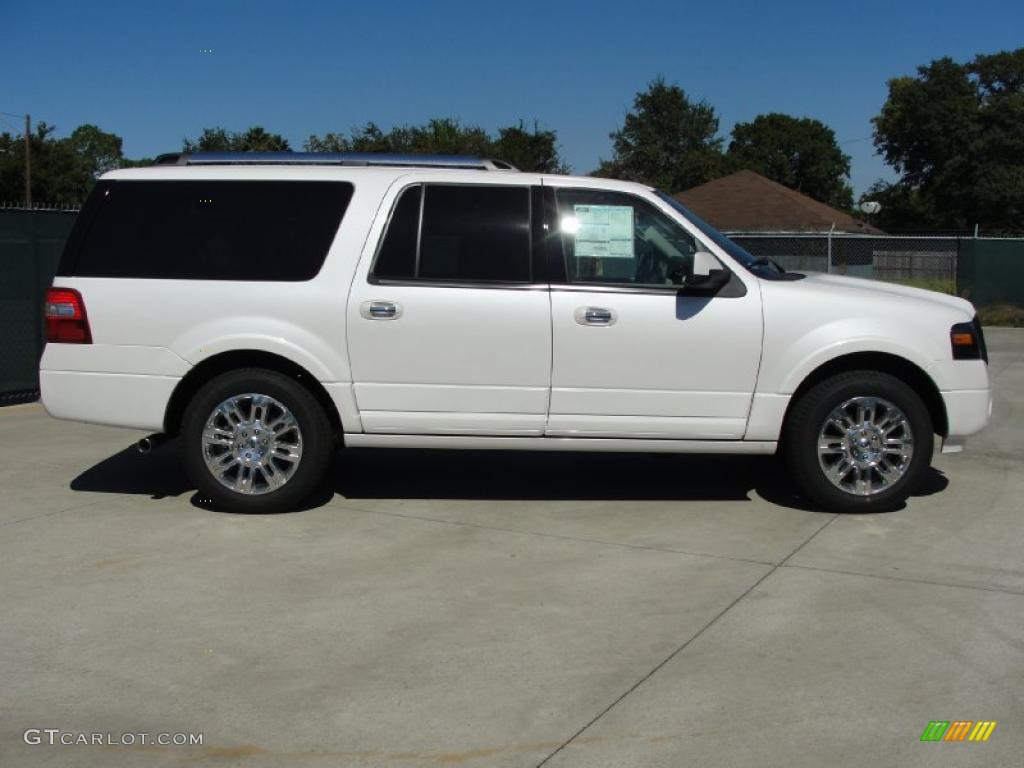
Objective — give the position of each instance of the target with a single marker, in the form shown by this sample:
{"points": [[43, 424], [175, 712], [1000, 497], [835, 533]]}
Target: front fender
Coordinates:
{"points": [[788, 363]]}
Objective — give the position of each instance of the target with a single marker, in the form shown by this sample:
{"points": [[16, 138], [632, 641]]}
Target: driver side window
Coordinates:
{"points": [[615, 238]]}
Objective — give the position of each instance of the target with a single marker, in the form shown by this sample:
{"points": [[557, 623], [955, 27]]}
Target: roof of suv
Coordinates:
{"points": [[391, 160], [441, 167], [311, 171]]}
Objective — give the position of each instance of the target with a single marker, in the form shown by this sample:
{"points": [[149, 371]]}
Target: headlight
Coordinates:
{"points": [[968, 341]]}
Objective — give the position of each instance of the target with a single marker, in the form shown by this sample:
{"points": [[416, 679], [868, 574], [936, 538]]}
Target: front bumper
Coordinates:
{"points": [[967, 413]]}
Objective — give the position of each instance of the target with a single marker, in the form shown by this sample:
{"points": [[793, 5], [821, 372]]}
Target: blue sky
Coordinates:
{"points": [[137, 69]]}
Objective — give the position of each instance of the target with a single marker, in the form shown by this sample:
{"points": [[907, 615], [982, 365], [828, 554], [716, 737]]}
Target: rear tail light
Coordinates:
{"points": [[66, 322]]}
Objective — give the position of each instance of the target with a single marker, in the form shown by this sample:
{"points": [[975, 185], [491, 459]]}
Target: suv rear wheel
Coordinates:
{"points": [[255, 440], [860, 441]]}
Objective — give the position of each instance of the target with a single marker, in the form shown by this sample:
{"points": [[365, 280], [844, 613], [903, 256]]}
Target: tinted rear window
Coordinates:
{"points": [[206, 230]]}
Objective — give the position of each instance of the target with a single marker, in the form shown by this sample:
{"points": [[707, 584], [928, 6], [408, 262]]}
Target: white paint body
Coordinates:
{"points": [[483, 367]]}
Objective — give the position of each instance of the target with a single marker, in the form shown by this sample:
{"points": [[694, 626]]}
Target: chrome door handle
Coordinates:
{"points": [[594, 316], [380, 310]]}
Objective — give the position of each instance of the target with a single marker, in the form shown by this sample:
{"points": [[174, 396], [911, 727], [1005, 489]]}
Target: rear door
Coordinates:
{"points": [[449, 318], [636, 355]]}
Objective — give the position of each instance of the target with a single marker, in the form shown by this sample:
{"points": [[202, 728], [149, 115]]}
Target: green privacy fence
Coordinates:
{"points": [[30, 247], [989, 272]]}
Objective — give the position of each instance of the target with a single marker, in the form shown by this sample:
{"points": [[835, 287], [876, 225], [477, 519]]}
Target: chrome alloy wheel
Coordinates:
{"points": [[865, 446], [252, 444]]}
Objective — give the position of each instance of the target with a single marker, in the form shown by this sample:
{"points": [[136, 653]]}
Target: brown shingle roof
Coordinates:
{"points": [[748, 202]]}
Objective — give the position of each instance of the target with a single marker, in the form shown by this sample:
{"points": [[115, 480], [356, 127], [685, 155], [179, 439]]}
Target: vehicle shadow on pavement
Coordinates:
{"points": [[156, 474], [525, 475], [494, 476]]}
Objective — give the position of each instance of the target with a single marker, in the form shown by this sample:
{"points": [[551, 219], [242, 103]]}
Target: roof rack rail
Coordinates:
{"points": [[334, 158]]}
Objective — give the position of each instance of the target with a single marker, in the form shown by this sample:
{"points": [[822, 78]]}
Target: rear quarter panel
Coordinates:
{"points": [[196, 319]]}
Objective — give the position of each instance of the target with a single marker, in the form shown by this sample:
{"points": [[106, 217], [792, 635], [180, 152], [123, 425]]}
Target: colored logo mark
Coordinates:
{"points": [[958, 730]]}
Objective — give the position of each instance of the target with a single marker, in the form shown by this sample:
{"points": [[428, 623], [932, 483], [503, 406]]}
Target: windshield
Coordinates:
{"points": [[737, 252]]}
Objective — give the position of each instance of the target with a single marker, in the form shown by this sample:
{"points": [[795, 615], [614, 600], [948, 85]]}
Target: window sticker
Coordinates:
{"points": [[604, 231]]}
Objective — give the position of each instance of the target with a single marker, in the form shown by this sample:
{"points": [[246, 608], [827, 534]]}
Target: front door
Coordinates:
{"points": [[449, 327], [634, 355]]}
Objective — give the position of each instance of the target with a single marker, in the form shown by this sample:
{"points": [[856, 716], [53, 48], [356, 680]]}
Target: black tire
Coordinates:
{"points": [[316, 439], [807, 416]]}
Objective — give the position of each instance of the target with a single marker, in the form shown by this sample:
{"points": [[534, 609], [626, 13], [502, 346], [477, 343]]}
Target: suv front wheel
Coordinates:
{"points": [[254, 441], [860, 441]]}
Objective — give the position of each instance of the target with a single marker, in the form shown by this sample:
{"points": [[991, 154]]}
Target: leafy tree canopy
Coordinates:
{"points": [[63, 170], [955, 134], [529, 150], [667, 141], [255, 139], [799, 153]]}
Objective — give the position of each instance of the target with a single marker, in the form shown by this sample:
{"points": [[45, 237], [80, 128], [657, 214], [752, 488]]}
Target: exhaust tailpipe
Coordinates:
{"points": [[147, 444]]}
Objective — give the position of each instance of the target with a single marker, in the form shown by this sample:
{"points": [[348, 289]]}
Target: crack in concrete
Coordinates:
{"points": [[686, 644], [51, 514], [909, 579]]}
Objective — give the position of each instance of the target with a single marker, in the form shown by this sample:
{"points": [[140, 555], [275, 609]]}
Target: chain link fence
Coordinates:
{"points": [[988, 271], [928, 261]]}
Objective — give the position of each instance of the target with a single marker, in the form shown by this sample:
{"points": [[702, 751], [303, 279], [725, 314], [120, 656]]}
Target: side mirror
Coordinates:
{"points": [[705, 263], [708, 272]]}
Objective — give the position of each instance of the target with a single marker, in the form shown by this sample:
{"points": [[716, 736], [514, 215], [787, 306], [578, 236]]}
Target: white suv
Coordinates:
{"points": [[267, 308]]}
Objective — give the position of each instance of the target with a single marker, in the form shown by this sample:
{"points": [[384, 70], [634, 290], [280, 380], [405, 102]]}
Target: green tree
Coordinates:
{"points": [[528, 150], [98, 151], [955, 134], [63, 170], [255, 139], [369, 138], [372, 139], [444, 137], [534, 150], [211, 140], [800, 153], [12, 168], [668, 141], [329, 142], [140, 162]]}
